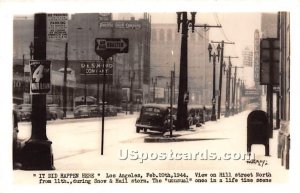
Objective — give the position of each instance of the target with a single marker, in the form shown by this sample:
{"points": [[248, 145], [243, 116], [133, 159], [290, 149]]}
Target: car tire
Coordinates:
{"points": [[138, 129], [145, 130]]}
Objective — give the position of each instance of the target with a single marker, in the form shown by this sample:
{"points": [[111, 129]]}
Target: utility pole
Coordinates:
{"points": [[227, 103], [221, 74], [65, 81], [171, 101], [183, 21], [213, 115], [206, 28], [37, 152], [182, 113], [168, 92], [131, 76], [234, 90], [154, 82]]}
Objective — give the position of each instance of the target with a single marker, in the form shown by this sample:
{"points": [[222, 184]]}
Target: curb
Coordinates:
{"points": [[174, 139]]}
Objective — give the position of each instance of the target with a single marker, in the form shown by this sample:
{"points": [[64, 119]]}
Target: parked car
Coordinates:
{"points": [[207, 113], [81, 111], [195, 115], [95, 111], [54, 111], [110, 110], [155, 117], [24, 111]]}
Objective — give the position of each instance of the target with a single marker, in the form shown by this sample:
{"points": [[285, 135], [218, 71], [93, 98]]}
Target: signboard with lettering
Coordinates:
{"points": [[251, 92], [105, 16], [133, 25], [106, 47], [57, 27], [40, 76], [91, 68]]}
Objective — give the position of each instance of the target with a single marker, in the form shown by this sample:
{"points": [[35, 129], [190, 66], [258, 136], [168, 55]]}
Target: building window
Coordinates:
{"points": [[161, 35], [153, 35], [169, 35]]}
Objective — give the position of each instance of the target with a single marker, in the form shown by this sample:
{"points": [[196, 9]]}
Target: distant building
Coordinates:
{"points": [[256, 58], [269, 25], [165, 53], [247, 57], [130, 70]]}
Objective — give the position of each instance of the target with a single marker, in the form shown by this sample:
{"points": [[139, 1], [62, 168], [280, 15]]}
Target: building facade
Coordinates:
{"points": [[165, 56], [130, 70]]}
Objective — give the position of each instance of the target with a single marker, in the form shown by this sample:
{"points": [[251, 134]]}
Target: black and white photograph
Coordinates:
{"points": [[198, 98]]}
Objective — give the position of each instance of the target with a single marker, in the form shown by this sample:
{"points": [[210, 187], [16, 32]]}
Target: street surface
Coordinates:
{"points": [[76, 145]]}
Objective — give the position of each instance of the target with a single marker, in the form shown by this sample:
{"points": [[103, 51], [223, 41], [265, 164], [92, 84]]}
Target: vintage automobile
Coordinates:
{"points": [[95, 110], [54, 112], [196, 115], [110, 110], [155, 117], [81, 111], [24, 111]]}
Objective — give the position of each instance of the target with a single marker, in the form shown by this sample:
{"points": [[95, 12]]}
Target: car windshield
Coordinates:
{"points": [[81, 107], [151, 110], [52, 108], [25, 108]]}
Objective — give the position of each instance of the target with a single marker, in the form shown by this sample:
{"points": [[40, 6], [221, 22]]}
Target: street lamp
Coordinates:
{"points": [[213, 116], [154, 83], [131, 77], [184, 24], [31, 50]]}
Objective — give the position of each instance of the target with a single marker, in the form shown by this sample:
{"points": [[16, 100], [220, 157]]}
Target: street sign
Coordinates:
{"points": [[57, 27], [40, 76], [106, 47]]}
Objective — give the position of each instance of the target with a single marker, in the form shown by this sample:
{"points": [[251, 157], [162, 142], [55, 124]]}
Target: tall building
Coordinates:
{"points": [[256, 58], [165, 55], [247, 57]]}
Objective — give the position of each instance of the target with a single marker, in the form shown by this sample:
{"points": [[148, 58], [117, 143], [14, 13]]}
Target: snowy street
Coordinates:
{"points": [[217, 145]]}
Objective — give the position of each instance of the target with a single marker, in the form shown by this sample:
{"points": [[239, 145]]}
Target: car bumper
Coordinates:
{"points": [[155, 128]]}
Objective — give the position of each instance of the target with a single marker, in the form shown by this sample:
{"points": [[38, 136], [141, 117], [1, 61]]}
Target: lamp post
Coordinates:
{"points": [[213, 116], [131, 76], [154, 83], [227, 100], [31, 50], [65, 81], [221, 77], [167, 85], [228, 85], [182, 113]]}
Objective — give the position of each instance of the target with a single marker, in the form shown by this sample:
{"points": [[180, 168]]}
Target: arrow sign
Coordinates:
{"points": [[106, 47]]}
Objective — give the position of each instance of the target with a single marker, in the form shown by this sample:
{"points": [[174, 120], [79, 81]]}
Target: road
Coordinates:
{"points": [[218, 145]]}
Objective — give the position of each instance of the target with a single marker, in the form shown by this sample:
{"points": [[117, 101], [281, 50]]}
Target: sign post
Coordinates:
{"points": [[105, 48], [269, 72], [37, 152]]}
